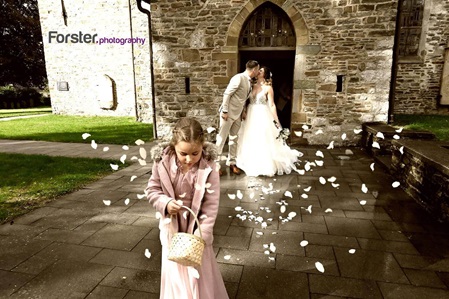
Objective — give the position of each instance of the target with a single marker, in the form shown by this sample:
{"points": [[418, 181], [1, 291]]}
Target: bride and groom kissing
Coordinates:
{"points": [[254, 146]]}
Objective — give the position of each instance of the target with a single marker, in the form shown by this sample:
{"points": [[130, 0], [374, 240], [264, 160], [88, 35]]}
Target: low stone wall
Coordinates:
{"points": [[422, 167]]}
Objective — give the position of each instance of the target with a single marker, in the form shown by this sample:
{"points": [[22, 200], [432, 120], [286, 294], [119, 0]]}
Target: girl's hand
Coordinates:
{"points": [[174, 206]]}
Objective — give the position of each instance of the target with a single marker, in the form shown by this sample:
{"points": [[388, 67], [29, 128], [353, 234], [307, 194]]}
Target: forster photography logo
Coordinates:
{"points": [[88, 38]]}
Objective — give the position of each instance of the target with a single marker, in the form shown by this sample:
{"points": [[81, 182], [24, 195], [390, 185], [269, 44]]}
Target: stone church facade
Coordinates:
{"points": [[338, 60]]}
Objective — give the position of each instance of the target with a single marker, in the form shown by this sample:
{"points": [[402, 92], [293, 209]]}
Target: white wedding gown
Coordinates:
{"points": [[258, 150]]}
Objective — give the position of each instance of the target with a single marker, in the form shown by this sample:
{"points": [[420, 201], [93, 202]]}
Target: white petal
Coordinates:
{"points": [[140, 142], [208, 185], [307, 166], [251, 195], [140, 196], [134, 158], [319, 154], [272, 247], [308, 189], [397, 137], [331, 145], [105, 149], [194, 272], [309, 209], [125, 147], [298, 133], [271, 258], [158, 215], [335, 185], [399, 130], [322, 180], [184, 215], [127, 201], [238, 208], [93, 144], [363, 202], [167, 220], [231, 196], [143, 153], [301, 171], [142, 162], [204, 216], [288, 194], [210, 191], [380, 135], [259, 233], [304, 196], [232, 137], [401, 150], [349, 152], [328, 210], [304, 243], [292, 215], [319, 162], [264, 225], [133, 178], [182, 195], [372, 166], [197, 187], [239, 194], [231, 142], [283, 209], [107, 202], [210, 130], [319, 132], [351, 251], [319, 266], [147, 253], [332, 179], [114, 166], [343, 136], [357, 131], [396, 184], [364, 188], [123, 159], [227, 257], [267, 252], [219, 139], [85, 136], [376, 144]]}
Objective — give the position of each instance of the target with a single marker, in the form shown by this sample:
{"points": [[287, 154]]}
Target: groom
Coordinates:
{"points": [[234, 99]]}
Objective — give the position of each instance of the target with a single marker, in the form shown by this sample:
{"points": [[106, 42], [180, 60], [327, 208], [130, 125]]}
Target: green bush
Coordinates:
{"points": [[12, 97]]}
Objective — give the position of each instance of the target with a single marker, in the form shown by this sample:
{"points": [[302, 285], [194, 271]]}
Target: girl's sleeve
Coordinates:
{"points": [[209, 207], [155, 194]]}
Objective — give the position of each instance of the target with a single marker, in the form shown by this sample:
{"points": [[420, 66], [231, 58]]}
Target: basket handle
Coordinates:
{"points": [[196, 219]]}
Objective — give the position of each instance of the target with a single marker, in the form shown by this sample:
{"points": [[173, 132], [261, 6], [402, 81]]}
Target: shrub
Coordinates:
{"points": [[12, 97]]}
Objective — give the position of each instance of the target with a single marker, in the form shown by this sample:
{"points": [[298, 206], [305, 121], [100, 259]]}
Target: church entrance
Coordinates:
{"points": [[268, 36]]}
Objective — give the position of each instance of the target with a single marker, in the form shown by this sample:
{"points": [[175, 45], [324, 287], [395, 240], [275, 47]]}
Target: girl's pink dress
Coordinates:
{"points": [[179, 281]]}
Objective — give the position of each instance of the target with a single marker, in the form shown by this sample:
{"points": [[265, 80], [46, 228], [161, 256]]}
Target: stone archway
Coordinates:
{"points": [[231, 49]]}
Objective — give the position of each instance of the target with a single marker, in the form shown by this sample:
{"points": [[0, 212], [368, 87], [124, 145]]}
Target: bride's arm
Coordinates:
{"points": [[271, 104]]}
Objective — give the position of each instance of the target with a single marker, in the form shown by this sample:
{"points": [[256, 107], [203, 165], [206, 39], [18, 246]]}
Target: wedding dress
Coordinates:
{"points": [[259, 151]]}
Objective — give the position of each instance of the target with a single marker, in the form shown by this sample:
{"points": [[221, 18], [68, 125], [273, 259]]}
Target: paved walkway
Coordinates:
{"points": [[378, 244]]}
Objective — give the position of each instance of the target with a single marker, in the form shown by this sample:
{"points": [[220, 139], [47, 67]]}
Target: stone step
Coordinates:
{"points": [[295, 140]]}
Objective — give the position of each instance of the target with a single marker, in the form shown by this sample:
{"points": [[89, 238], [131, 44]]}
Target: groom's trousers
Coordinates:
{"points": [[229, 128]]}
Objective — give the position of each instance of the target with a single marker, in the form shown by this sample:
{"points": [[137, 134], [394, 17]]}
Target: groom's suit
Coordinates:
{"points": [[234, 99]]}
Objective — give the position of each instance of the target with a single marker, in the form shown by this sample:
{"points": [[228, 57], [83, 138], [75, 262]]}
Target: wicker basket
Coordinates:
{"points": [[187, 249]]}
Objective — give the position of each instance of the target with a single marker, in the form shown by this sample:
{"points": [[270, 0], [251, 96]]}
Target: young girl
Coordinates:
{"points": [[184, 173]]}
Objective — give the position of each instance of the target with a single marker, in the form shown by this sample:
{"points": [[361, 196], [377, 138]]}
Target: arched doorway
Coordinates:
{"points": [[268, 36]]}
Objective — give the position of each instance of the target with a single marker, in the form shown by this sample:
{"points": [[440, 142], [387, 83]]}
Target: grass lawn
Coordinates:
{"points": [[28, 181], [63, 128], [437, 124], [24, 112]]}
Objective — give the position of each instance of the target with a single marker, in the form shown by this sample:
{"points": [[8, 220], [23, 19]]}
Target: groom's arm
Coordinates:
{"points": [[230, 90]]}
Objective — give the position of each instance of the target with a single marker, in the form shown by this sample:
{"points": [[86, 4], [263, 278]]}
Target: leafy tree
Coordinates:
{"points": [[21, 49]]}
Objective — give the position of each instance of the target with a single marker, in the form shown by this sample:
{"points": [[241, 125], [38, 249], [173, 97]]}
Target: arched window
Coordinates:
{"points": [[411, 25], [268, 26]]}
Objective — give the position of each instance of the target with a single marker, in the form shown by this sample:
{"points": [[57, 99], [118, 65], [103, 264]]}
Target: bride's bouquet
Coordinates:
{"points": [[284, 133]]}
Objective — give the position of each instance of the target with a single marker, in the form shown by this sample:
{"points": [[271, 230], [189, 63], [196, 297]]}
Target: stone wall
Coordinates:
{"points": [[419, 80], [83, 65]]}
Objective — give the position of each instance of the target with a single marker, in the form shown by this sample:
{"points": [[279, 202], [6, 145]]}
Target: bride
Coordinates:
{"points": [[259, 151]]}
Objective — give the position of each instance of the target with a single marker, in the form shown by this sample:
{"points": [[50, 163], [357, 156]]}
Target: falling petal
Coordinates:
{"points": [[335, 185], [107, 202], [238, 208], [194, 272], [298, 133], [304, 196], [305, 127], [283, 209], [319, 163], [292, 215], [125, 147], [401, 150], [208, 185], [328, 210], [197, 187], [357, 131], [127, 201], [349, 152], [147, 253], [232, 137], [251, 195], [142, 162], [309, 209], [140, 196], [184, 215], [227, 257], [396, 184], [210, 130], [372, 166], [322, 180], [332, 179], [319, 132], [259, 233], [308, 189], [304, 243], [133, 178], [363, 202], [134, 158], [319, 266], [264, 225], [239, 194], [140, 142], [319, 154], [288, 194], [93, 144], [307, 166], [399, 130], [267, 252], [351, 251], [114, 166], [376, 144], [343, 136], [231, 196], [331, 145], [85, 136], [210, 191], [143, 153], [122, 159], [158, 215], [219, 139], [179, 202], [105, 149], [395, 136], [364, 188], [380, 135], [217, 167], [301, 171], [272, 247], [182, 195]]}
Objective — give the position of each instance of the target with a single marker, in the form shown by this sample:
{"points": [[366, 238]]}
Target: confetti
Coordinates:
{"points": [[351, 251], [85, 136], [319, 267], [184, 215], [288, 194], [380, 135], [139, 142], [93, 144], [364, 188], [147, 253], [396, 184], [127, 201], [304, 243], [114, 166], [105, 149], [107, 202], [123, 159]]}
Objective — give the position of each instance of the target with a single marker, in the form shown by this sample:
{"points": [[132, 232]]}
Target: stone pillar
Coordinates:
{"points": [[444, 91]]}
